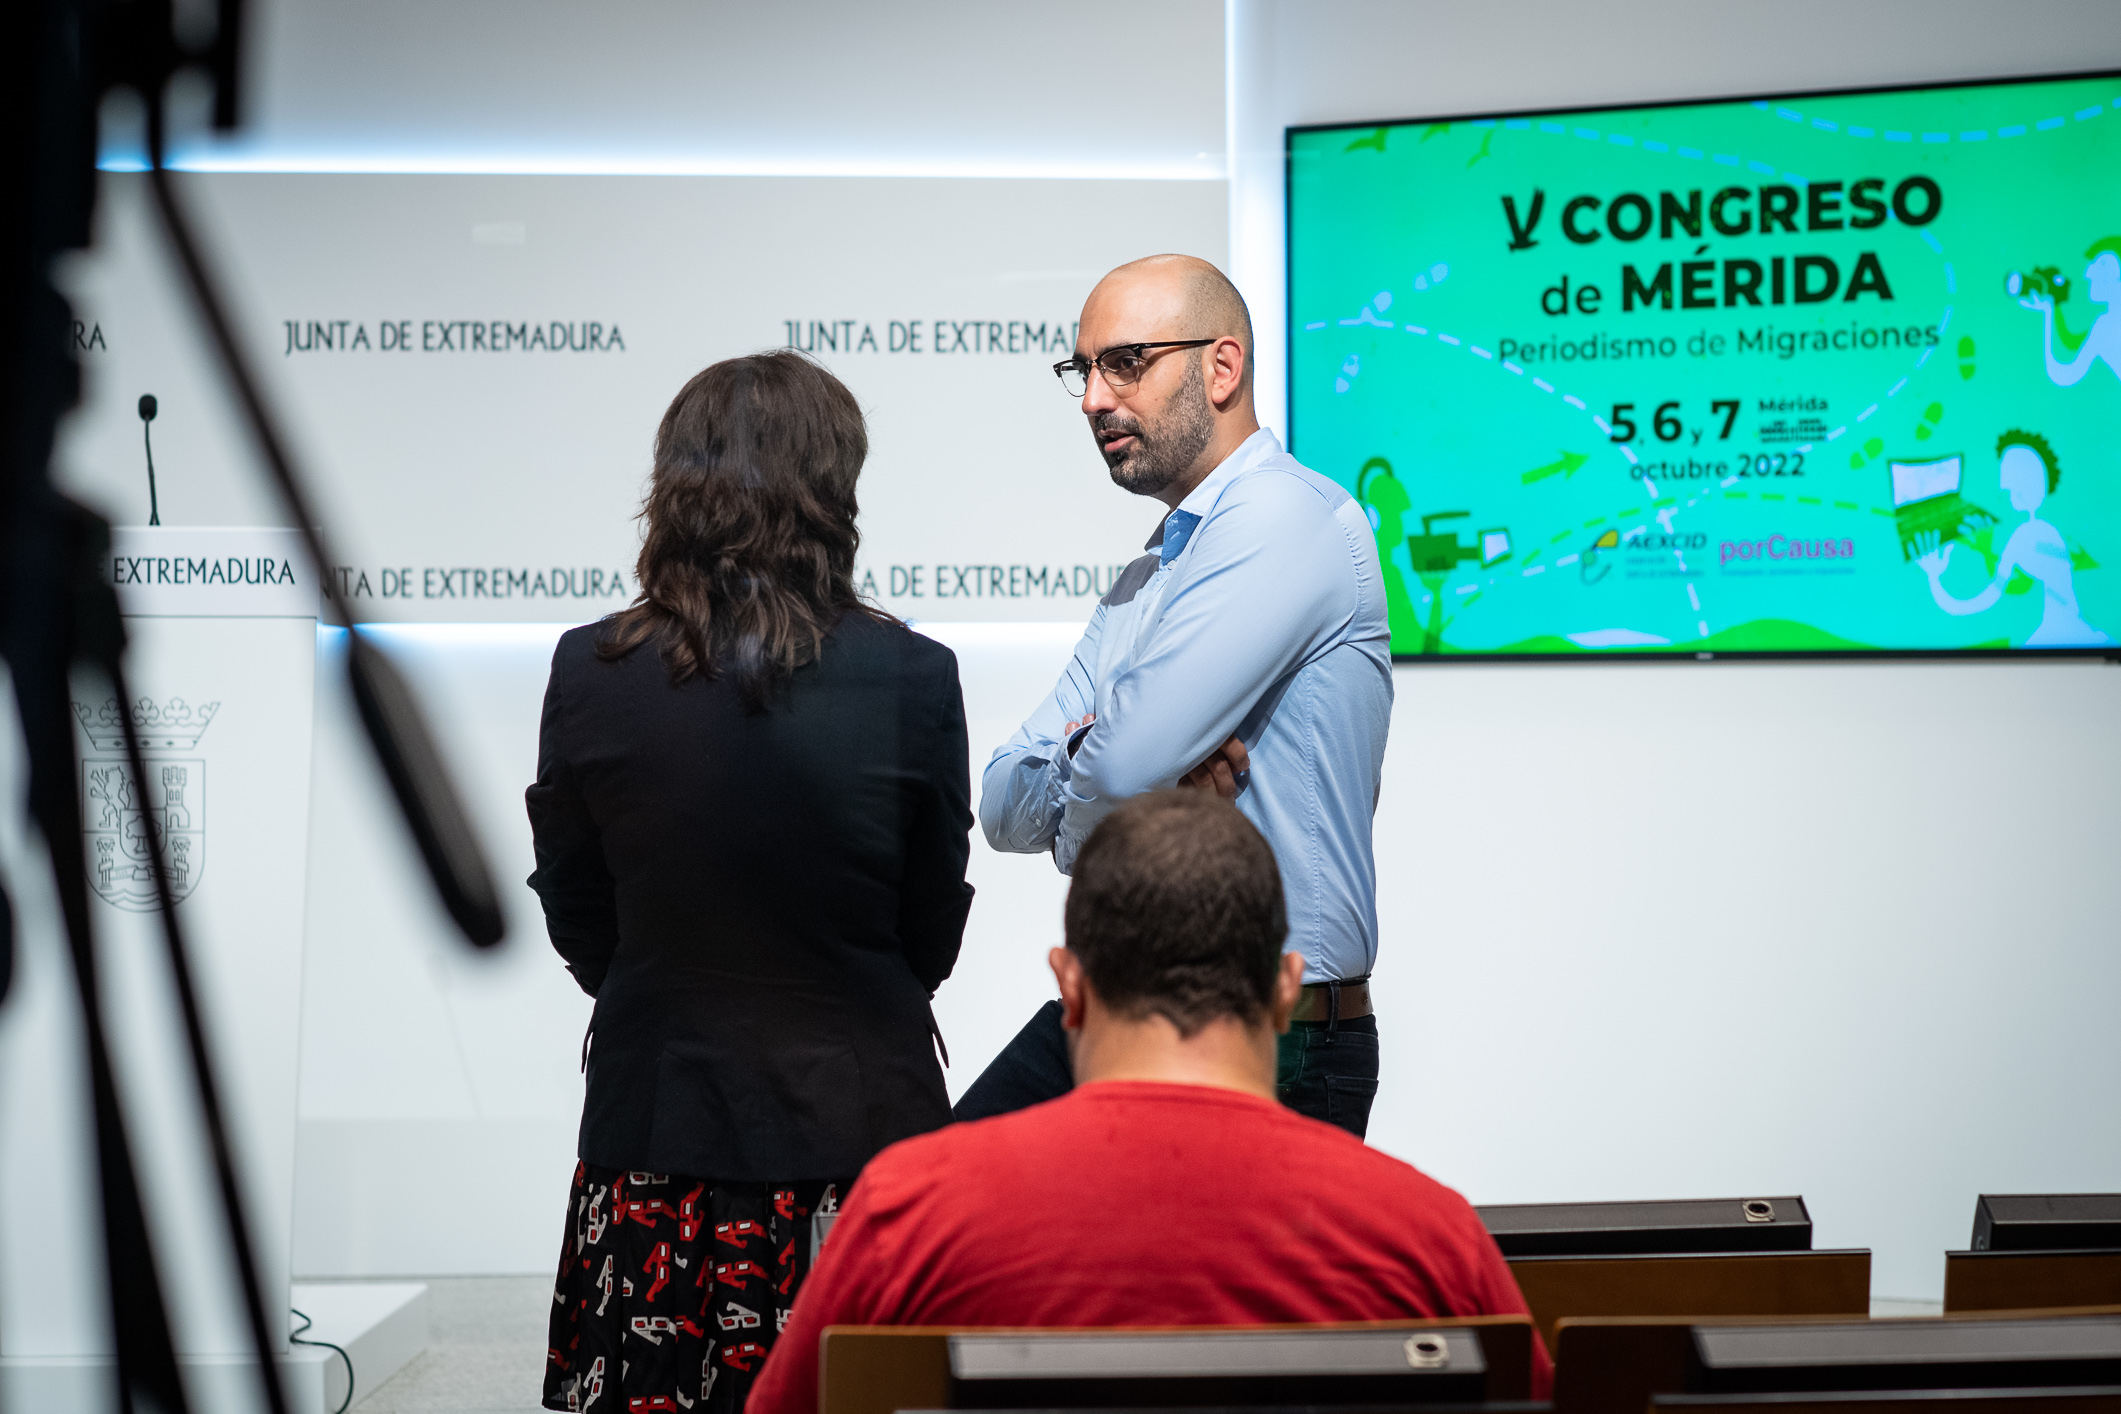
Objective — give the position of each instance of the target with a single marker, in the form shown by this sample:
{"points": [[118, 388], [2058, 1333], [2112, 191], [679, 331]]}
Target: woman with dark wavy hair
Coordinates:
{"points": [[751, 821]]}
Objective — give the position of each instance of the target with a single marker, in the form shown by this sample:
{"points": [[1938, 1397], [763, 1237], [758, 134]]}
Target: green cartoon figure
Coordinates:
{"points": [[1437, 554], [2102, 282], [2029, 474], [1387, 504]]}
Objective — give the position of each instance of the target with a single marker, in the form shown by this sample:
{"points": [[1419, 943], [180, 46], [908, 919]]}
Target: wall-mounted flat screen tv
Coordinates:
{"points": [[1836, 373]]}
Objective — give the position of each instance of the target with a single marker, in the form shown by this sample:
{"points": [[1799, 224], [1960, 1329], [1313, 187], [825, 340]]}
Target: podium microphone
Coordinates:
{"points": [[147, 416]]}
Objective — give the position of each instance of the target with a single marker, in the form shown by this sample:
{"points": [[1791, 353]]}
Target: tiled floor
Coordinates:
{"points": [[485, 1351]]}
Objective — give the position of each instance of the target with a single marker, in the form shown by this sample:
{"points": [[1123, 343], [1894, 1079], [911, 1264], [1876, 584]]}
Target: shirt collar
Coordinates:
{"points": [[1201, 499]]}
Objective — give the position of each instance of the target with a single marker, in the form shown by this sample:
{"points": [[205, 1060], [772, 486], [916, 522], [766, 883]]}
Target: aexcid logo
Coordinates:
{"points": [[1659, 540], [1596, 562], [1785, 547]]}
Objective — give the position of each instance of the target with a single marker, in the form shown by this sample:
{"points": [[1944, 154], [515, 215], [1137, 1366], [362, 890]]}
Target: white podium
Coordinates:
{"points": [[222, 666]]}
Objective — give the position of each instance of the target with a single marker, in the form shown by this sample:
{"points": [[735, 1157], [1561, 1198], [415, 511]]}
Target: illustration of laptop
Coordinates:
{"points": [[1918, 481], [1926, 500]]}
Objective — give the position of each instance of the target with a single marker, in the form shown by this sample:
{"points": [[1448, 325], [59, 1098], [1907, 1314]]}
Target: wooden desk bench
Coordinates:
{"points": [[2004, 1281], [2094, 1399], [1615, 1365], [1829, 1283]]}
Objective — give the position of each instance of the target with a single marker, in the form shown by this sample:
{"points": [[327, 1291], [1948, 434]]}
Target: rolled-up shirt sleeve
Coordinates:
{"points": [[1021, 792], [1243, 614]]}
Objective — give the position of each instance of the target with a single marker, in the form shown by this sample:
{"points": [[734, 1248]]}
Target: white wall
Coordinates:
{"points": [[1677, 931], [799, 87], [423, 1062], [1698, 930]]}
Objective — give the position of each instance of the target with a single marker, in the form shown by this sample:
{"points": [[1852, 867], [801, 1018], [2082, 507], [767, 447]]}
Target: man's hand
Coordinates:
{"points": [[1068, 732], [1220, 771], [1933, 553]]}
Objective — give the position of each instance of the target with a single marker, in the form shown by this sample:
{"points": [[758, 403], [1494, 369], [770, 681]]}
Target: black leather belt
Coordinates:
{"points": [[1333, 1001]]}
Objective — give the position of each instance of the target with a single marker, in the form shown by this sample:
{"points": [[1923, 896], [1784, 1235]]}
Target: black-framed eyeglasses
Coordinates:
{"points": [[1122, 364]]}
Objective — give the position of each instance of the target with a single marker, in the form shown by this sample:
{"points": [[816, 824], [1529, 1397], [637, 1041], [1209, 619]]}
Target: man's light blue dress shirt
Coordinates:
{"points": [[1261, 614]]}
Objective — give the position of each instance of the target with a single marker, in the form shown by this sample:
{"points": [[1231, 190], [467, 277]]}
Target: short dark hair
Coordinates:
{"points": [[1176, 911], [748, 559]]}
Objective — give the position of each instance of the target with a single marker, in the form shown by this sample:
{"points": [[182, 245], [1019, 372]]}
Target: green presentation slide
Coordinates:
{"points": [[1838, 373]]}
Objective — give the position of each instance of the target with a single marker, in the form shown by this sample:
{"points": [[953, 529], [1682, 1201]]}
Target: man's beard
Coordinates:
{"points": [[1165, 450]]}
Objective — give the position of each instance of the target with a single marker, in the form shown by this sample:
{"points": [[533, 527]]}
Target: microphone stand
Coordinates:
{"points": [[147, 440]]}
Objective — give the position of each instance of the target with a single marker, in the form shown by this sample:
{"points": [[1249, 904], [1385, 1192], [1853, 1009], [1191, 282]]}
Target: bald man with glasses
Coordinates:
{"points": [[1247, 653]]}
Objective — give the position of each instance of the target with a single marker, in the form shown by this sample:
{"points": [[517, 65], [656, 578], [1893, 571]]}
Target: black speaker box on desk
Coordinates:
{"points": [[1904, 1355], [1634, 1229], [1209, 1369], [2046, 1222]]}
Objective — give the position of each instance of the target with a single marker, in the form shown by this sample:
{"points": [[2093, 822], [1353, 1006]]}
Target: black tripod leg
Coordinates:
{"points": [[232, 1206], [147, 1358], [7, 944]]}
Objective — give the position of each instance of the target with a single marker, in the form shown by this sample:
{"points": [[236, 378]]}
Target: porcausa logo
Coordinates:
{"points": [[1785, 547]]}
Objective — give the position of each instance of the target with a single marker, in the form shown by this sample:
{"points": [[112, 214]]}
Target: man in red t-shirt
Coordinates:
{"points": [[1169, 1187]]}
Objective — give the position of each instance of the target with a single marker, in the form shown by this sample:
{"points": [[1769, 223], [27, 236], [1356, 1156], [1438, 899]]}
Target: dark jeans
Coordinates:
{"points": [[1326, 1072], [1330, 1073]]}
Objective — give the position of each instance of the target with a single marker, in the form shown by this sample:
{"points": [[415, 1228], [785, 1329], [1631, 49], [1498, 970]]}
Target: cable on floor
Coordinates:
{"points": [[296, 1338]]}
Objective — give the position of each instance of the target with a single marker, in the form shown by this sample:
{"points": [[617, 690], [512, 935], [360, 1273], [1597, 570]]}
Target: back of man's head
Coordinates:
{"points": [[1176, 911]]}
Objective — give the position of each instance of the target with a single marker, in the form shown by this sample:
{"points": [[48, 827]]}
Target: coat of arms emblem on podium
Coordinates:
{"points": [[123, 817]]}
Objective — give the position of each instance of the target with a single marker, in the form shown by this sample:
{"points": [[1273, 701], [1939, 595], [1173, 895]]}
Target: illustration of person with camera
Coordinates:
{"points": [[2102, 282]]}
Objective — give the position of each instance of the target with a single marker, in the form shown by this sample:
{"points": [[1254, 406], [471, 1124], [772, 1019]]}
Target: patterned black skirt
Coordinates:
{"points": [[672, 1289]]}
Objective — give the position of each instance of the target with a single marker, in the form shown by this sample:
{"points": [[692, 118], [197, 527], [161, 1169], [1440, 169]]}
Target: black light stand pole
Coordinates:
{"points": [[235, 1212], [396, 727]]}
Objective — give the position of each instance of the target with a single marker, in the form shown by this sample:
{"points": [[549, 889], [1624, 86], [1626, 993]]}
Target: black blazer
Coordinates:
{"points": [[761, 903]]}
